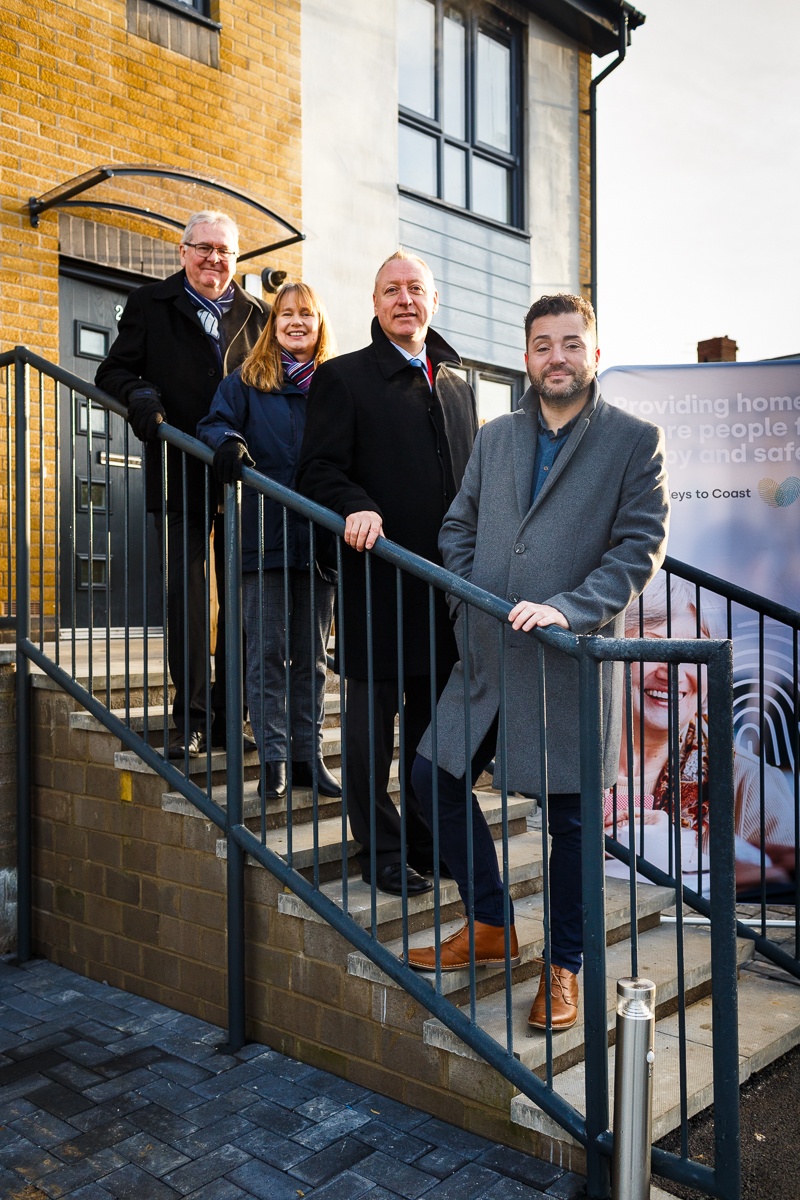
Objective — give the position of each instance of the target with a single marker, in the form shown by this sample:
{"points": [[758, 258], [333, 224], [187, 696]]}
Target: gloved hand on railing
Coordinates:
{"points": [[145, 410], [229, 458]]}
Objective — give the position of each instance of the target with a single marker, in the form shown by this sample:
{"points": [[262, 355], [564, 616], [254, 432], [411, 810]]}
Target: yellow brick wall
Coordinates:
{"points": [[77, 91]]}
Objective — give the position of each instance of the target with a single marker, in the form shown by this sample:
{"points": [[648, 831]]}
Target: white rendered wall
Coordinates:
{"points": [[553, 166], [350, 201]]}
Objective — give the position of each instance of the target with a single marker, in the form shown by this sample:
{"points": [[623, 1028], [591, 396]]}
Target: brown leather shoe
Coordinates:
{"points": [[563, 1000], [489, 949]]}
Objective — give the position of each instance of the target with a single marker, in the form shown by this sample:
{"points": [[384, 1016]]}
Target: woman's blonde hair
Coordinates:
{"points": [[668, 597], [263, 368]]}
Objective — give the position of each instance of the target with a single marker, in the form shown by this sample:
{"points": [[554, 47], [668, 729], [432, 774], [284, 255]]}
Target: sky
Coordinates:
{"points": [[699, 183]]}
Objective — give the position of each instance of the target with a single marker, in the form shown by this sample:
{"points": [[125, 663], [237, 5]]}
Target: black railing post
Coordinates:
{"points": [[235, 763], [724, 999], [595, 1006], [22, 500]]}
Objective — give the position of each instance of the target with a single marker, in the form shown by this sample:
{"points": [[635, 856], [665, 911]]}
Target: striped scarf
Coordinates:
{"points": [[300, 374], [210, 313]]}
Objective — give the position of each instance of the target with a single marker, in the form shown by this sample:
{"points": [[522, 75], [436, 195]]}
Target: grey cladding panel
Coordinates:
{"points": [[484, 279]]}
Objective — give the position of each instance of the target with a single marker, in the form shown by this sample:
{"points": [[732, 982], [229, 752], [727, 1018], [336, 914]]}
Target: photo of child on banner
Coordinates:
{"points": [[669, 608]]}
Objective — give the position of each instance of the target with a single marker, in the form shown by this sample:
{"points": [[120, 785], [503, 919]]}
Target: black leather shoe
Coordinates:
{"points": [[390, 879], [274, 780], [302, 776], [196, 745]]}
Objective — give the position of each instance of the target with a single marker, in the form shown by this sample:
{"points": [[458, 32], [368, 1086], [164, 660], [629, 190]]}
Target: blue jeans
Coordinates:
{"points": [[564, 825], [266, 662]]}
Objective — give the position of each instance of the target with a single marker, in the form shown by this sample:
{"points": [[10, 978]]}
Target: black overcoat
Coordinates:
{"points": [[271, 425], [377, 438], [161, 341]]}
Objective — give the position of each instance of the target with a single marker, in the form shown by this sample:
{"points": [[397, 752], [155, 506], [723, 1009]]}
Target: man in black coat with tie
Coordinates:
{"points": [[388, 435], [177, 339]]}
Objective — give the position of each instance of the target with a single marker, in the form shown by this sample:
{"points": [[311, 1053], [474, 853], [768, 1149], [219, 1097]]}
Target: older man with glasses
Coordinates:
{"points": [[177, 339]]}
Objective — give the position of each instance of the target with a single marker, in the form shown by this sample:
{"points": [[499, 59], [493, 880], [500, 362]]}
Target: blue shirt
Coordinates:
{"points": [[548, 447]]}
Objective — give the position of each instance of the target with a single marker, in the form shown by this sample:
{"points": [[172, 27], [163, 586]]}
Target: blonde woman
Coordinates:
{"points": [[257, 419]]}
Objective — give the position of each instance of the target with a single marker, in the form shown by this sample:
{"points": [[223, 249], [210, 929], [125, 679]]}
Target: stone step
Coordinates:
{"points": [[330, 851], [129, 760], [525, 867], [529, 921], [302, 797], [656, 962], [769, 1026], [134, 717]]}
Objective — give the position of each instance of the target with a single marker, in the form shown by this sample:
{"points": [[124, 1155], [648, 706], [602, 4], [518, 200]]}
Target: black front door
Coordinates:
{"points": [[93, 477]]}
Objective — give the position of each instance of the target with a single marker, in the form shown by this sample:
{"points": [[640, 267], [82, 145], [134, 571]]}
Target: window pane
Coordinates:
{"points": [[494, 399], [490, 189], [98, 495], [415, 54], [494, 93], [417, 160], [98, 572], [455, 176], [453, 118], [98, 418], [92, 343]]}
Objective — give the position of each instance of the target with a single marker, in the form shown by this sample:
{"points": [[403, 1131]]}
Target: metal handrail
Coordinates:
{"points": [[589, 653]]}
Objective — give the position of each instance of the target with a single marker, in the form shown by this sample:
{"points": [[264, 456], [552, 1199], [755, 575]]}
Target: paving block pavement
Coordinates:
{"points": [[107, 1096]]}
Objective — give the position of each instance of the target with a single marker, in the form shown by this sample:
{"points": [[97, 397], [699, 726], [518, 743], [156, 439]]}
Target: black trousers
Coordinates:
{"points": [[417, 716], [564, 826], [188, 652]]}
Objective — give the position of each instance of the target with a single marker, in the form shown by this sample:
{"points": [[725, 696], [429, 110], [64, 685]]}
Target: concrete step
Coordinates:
{"points": [[529, 921], [274, 810], [525, 867], [128, 760], [657, 962], [134, 717], [769, 1026]]}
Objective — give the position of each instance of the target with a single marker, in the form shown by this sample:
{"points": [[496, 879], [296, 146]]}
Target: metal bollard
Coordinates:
{"points": [[633, 1089]]}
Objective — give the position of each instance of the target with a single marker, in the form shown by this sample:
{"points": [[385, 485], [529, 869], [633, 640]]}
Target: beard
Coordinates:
{"points": [[562, 395]]}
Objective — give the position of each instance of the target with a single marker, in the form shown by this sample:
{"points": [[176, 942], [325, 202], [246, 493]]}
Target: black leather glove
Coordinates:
{"points": [[229, 458], [145, 411]]}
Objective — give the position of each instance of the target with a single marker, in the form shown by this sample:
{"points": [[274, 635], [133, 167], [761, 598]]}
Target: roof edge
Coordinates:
{"points": [[595, 24]]}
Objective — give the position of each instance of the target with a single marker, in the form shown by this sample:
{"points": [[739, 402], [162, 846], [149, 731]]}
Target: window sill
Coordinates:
{"points": [[465, 213]]}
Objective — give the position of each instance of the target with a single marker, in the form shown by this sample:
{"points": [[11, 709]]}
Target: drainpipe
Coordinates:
{"points": [[624, 38]]}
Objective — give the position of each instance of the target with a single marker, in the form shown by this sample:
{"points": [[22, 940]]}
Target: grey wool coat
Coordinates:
{"points": [[588, 546]]}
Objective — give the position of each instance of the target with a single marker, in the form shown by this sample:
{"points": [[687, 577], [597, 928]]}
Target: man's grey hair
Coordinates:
{"points": [[405, 255], [210, 216]]}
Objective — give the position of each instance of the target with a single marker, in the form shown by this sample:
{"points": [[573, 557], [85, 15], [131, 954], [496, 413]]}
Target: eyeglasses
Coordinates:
{"points": [[204, 250]]}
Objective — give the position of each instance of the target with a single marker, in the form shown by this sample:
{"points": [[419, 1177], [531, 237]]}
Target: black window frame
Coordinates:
{"points": [[476, 19], [473, 371], [191, 7], [195, 10]]}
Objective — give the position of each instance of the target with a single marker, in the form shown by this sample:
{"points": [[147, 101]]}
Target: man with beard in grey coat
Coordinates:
{"points": [[563, 510]]}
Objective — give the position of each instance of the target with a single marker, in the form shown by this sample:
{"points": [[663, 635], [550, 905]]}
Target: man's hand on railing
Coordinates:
{"points": [[526, 615], [229, 458], [145, 411], [362, 529]]}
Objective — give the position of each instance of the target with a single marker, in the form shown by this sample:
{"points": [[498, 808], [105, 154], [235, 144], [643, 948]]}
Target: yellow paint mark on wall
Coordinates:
{"points": [[126, 786]]}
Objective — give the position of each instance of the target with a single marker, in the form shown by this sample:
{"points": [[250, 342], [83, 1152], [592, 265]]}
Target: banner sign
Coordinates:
{"points": [[733, 452]]}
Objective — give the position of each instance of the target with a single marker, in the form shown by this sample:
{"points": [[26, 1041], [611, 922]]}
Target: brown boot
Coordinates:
{"points": [[563, 1000], [489, 949]]}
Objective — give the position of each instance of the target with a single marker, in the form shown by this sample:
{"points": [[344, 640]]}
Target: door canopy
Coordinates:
{"points": [[141, 178]]}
